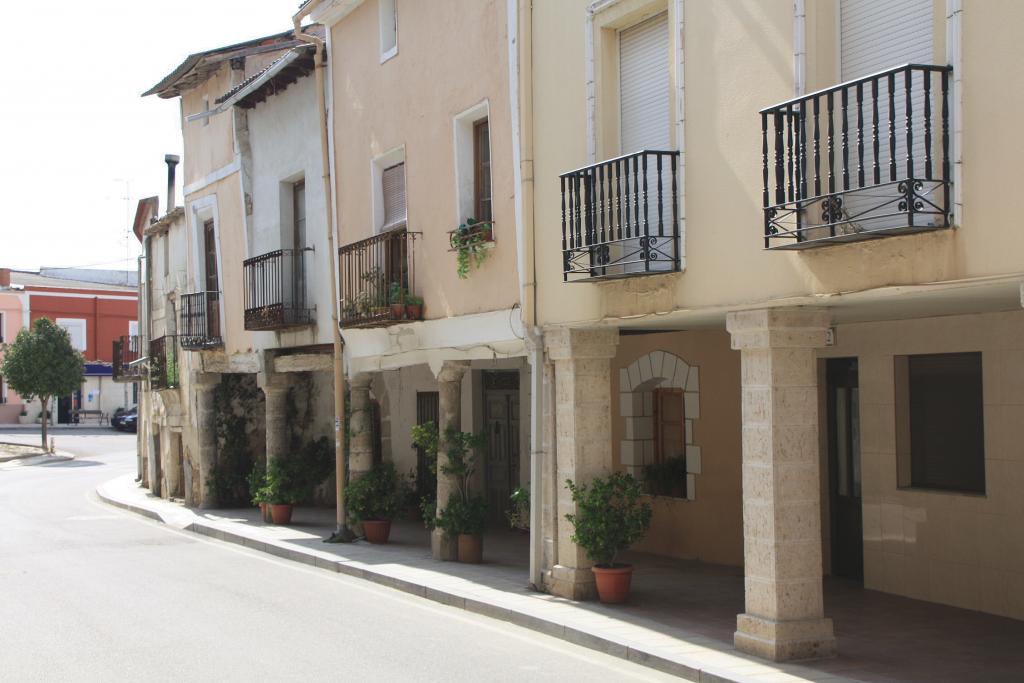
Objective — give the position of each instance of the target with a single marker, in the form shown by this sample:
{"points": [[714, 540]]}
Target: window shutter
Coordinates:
{"points": [[393, 185], [644, 86], [879, 34]]}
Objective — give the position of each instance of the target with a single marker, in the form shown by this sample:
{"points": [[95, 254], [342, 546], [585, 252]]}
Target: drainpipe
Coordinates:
{"points": [[143, 332], [342, 534], [522, 148]]}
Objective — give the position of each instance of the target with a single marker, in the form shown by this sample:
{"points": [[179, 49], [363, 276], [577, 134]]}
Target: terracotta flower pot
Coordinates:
{"points": [[281, 514], [397, 311], [414, 311], [613, 582], [377, 530], [265, 512], [471, 548]]}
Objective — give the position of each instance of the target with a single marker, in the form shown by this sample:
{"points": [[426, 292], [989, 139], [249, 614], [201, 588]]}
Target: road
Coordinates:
{"points": [[91, 593]]}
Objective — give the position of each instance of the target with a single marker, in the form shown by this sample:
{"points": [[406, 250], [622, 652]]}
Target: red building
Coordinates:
{"points": [[96, 307]]}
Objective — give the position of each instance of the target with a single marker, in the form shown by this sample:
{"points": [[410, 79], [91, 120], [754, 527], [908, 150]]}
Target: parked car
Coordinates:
{"points": [[126, 421]]}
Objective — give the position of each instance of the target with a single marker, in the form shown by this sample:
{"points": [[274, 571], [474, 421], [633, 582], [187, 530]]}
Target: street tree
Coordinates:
{"points": [[42, 363]]}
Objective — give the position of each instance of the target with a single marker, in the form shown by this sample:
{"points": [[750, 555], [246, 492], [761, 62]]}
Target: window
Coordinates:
{"points": [[3, 392], [669, 425], [388, 30], [482, 170], [206, 108], [940, 439], [1, 328], [76, 329], [165, 244], [299, 215], [393, 191]]}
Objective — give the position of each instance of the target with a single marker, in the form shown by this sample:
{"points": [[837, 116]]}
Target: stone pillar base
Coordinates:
{"points": [[572, 583], [782, 641], [443, 547]]}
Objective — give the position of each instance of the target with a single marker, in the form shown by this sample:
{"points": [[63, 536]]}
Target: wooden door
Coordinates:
{"points": [[844, 468], [501, 420], [427, 410]]}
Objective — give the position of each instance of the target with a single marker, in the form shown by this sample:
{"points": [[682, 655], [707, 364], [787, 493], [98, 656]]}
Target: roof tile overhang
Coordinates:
{"points": [[275, 77], [198, 67]]}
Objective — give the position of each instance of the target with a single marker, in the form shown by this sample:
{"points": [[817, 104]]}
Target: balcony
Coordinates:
{"points": [[378, 282], [126, 356], [860, 160], [163, 363], [620, 218], [275, 290], [199, 321]]}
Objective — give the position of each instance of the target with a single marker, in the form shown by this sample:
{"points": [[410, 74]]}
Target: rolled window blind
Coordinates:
{"points": [[393, 185]]}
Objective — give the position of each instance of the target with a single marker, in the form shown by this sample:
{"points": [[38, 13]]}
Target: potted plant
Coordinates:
{"points": [[23, 417], [464, 515], [609, 518], [469, 242], [258, 491], [519, 514], [397, 301], [675, 475], [465, 519], [373, 500], [413, 307], [284, 488]]}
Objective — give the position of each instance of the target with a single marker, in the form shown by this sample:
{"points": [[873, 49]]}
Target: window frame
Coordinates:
{"points": [[389, 8], [478, 169], [907, 474]]}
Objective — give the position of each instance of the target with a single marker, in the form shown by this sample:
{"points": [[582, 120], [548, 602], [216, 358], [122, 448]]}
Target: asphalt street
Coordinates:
{"points": [[92, 593]]}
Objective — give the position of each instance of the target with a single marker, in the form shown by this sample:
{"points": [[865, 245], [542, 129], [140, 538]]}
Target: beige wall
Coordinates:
{"points": [[960, 549], [231, 247], [738, 59], [451, 57], [709, 527], [208, 146]]}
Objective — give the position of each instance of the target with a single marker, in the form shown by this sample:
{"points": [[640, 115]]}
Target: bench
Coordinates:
{"points": [[78, 415]]}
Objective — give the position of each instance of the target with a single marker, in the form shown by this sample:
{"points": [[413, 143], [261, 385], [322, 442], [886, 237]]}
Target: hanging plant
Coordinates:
{"points": [[469, 242]]}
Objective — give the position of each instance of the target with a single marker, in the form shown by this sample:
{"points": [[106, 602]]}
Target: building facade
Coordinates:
{"points": [[814, 281], [756, 254], [95, 307]]}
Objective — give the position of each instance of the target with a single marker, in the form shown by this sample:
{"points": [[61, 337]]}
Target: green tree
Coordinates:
{"points": [[41, 362]]}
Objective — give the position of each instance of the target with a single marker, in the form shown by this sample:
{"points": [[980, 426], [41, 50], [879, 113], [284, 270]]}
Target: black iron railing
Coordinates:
{"points": [[275, 290], [199, 325], [620, 217], [378, 278], [863, 159], [163, 363], [126, 354]]}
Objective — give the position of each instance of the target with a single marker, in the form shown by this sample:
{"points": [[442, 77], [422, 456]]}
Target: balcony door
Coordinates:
{"points": [[645, 86], [645, 123], [211, 281], [874, 36]]}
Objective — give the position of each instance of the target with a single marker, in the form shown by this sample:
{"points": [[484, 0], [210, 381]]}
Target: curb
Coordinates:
{"points": [[532, 622], [45, 458]]}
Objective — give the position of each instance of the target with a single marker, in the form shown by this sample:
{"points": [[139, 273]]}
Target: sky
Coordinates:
{"points": [[78, 145]]}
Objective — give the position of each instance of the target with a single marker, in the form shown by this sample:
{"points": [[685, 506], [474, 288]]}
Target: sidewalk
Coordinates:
{"points": [[496, 589], [679, 619]]}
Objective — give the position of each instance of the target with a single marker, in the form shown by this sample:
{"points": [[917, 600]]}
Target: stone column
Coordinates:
{"points": [[784, 616], [275, 388], [449, 388], [360, 453], [583, 440], [204, 385]]}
